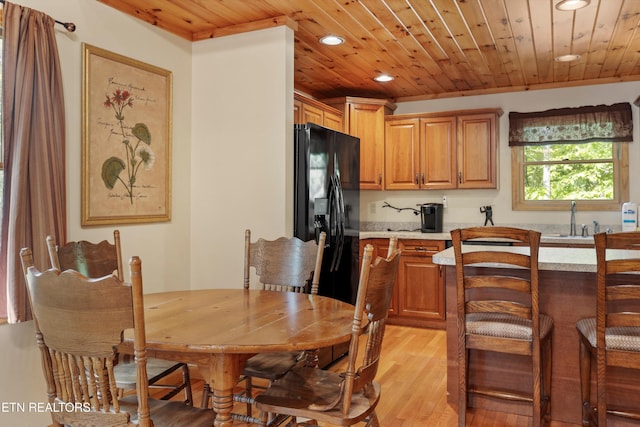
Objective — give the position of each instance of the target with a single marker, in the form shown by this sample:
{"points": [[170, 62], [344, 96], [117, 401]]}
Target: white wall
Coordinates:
{"points": [[242, 158], [231, 161], [163, 247], [21, 379], [464, 205]]}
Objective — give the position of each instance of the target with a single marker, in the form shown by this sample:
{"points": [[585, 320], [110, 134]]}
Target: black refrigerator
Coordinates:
{"points": [[327, 198]]}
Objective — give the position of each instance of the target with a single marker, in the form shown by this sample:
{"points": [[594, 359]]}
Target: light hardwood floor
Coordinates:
{"points": [[413, 377]]}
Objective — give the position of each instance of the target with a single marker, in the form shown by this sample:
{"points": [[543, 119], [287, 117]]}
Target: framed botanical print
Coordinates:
{"points": [[126, 140]]}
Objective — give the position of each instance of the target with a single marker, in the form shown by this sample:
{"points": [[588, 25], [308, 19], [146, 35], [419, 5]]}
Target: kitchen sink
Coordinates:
{"points": [[564, 237]]}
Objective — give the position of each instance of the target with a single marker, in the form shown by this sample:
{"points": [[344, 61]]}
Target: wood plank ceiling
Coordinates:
{"points": [[433, 48]]}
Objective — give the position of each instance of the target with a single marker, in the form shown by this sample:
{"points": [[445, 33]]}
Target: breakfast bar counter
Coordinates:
{"points": [[567, 293]]}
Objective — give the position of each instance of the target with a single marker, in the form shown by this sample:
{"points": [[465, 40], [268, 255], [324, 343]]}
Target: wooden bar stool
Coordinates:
{"points": [[497, 311], [617, 324]]}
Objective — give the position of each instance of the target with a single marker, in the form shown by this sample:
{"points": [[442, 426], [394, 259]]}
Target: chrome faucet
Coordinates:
{"points": [[596, 227], [572, 232]]}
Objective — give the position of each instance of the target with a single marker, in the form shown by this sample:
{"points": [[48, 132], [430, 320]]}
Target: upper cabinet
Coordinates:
{"points": [[402, 154], [448, 150], [442, 151], [365, 118], [477, 150], [412, 163], [307, 110]]}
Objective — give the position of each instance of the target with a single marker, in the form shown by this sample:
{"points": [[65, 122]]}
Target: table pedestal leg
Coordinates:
{"points": [[224, 374], [222, 405]]}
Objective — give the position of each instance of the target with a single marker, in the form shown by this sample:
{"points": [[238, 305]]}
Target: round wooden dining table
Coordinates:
{"points": [[219, 329]]}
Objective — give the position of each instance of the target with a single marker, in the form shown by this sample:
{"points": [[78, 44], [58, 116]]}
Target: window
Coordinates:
{"points": [[570, 154]]}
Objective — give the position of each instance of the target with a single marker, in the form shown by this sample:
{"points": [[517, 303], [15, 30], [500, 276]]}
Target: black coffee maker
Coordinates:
{"points": [[431, 217]]}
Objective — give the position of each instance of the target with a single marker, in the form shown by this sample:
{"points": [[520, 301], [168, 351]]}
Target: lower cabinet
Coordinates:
{"points": [[418, 298]]}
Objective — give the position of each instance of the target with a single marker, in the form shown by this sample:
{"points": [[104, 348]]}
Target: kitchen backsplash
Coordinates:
{"points": [[465, 209]]}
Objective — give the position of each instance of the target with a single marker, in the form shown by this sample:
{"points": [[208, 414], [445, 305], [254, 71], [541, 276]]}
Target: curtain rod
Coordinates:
{"points": [[70, 26]]}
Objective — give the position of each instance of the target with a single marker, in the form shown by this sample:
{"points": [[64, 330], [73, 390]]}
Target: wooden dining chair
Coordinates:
{"points": [[285, 265], [91, 259], [342, 398], [613, 336], [101, 259], [498, 311], [79, 324]]}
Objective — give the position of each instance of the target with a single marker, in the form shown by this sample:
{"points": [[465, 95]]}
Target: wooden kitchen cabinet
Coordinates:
{"points": [[420, 285], [418, 295], [365, 118], [420, 153], [402, 154], [307, 110], [477, 155], [442, 151]]}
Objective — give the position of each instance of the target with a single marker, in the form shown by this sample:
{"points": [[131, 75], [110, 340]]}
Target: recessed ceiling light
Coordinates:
{"points": [[331, 40], [383, 78], [567, 58], [572, 4]]}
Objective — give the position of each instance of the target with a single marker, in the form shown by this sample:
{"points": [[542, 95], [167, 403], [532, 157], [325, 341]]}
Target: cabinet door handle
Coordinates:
{"points": [[422, 176], [380, 178], [417, 178], [460, 177]]}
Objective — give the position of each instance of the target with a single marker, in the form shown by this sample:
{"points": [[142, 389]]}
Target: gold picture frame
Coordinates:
{"points": [[126, 140]]}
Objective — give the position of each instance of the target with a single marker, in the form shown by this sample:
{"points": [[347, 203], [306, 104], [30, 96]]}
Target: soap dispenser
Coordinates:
{"points": [[629, 216]]}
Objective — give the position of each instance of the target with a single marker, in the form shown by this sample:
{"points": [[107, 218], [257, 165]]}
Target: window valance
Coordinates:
{"points": [[606, 123]]}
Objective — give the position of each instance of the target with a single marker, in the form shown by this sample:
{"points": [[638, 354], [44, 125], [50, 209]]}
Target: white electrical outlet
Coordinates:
{"points": [[444, 201]]}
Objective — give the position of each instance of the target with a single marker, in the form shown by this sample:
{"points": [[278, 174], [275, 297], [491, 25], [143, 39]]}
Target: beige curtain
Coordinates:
{"points": [[33, 121]]}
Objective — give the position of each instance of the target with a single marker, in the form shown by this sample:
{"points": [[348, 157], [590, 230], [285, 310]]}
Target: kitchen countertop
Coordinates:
{"points": [[550, 258], [404, 235], [545, 238], [556, 259]]}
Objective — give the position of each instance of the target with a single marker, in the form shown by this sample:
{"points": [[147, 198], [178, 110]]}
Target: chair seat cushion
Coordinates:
{"points": [[617, 338], [271, 365], [505, 325]]}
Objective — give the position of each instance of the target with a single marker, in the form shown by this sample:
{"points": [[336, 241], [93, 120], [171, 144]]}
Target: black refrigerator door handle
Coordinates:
{"points": [[331, 231], [334, 223], [340, 223]]}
